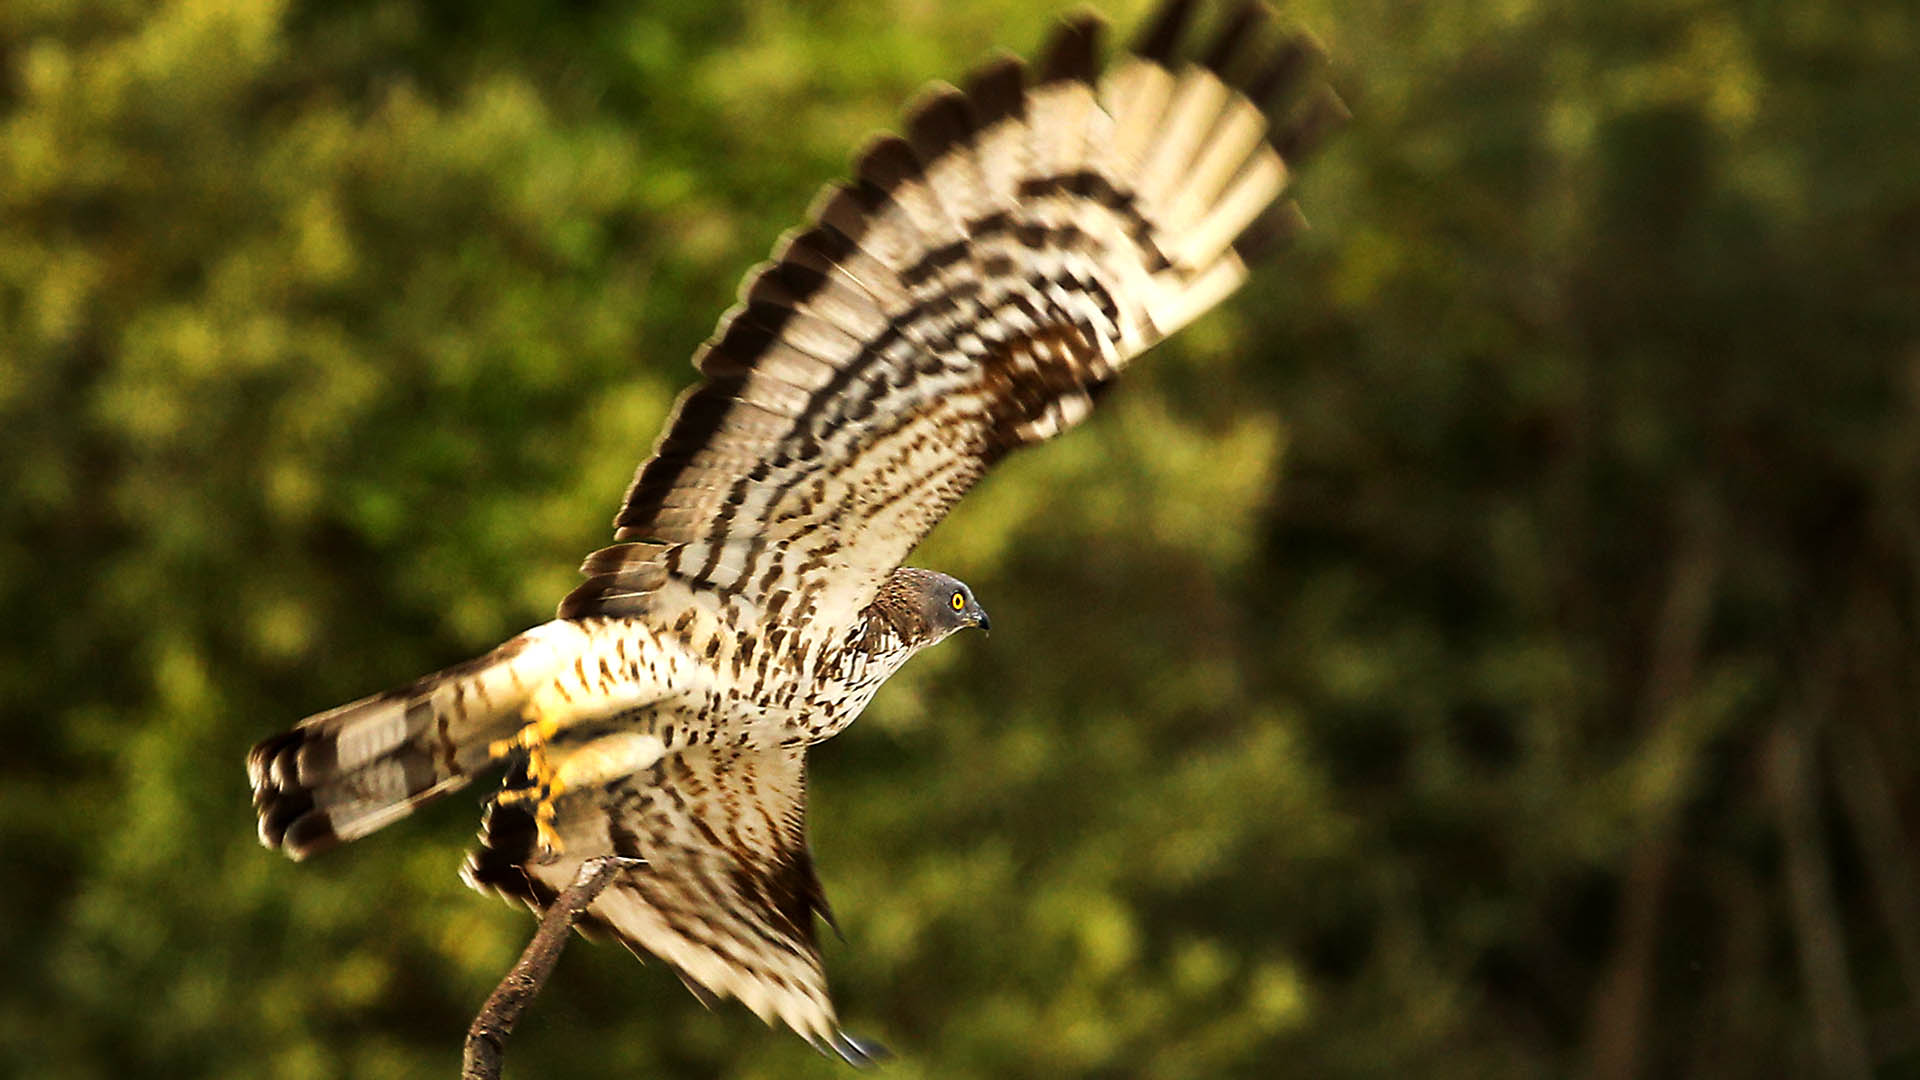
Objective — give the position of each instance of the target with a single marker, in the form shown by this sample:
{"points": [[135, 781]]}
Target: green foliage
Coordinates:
{"points": [[1396, 677]]}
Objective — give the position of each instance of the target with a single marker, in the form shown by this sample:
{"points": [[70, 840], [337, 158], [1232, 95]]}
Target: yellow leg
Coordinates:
{"points": [[542, 723], [543, 816], [555, 771], [543, 792]]}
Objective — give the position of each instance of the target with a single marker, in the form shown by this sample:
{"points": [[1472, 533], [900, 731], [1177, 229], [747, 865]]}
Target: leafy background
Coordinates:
{"points": [[1489, 648]]}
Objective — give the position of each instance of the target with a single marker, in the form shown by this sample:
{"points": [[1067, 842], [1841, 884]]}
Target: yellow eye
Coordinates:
{"points": [[959, 601]]}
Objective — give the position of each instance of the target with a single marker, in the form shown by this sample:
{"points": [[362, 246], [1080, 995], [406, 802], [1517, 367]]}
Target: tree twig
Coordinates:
{"points": [[1616, 1026], [487, 1037], [1839, 1034], [1868, 799]]}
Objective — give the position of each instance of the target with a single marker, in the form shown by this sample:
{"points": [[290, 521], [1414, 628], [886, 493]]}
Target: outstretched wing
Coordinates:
{"points": [[969, 292], [728, 894]]}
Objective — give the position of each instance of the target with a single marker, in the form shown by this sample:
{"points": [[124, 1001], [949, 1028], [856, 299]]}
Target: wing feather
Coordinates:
{"points": [[728, 895], [970, 291]]}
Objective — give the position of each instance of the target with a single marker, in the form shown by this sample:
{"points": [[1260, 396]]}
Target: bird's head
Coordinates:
{"points": [[927, 605]]}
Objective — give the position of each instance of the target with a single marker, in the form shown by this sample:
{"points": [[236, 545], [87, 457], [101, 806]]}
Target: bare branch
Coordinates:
{"points": [[487, 1037], [1621, 1002], [1838, 1031], [1868, 799]]}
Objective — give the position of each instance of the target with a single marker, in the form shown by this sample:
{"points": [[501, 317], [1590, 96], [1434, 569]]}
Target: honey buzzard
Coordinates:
{"points": [[972, 290]]}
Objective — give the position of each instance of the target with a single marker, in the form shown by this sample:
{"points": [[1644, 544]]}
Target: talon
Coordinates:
{"points": [[539, 767], [516, 796], [540, 727], [531, 736], [543, 828]]}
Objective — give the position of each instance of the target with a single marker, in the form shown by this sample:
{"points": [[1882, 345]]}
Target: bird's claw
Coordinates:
{"points": [[543, 791]]}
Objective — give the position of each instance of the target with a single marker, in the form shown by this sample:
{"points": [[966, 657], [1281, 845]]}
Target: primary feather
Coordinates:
{"points": [[970, 291]]}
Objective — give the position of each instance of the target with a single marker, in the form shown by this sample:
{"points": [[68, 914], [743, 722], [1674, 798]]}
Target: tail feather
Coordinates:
{"points": [[347, 772]]}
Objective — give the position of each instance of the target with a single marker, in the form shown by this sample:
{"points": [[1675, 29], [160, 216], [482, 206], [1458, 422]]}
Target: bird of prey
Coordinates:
{"points": [[972, 290]]}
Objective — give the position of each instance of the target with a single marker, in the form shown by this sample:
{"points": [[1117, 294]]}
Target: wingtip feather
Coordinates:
{"points": [[855, 1051], [1237, 32], [1072, 53], [1159, 40]]}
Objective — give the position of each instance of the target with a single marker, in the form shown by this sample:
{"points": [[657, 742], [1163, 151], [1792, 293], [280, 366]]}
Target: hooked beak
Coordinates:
{"points": [[980, 619]]}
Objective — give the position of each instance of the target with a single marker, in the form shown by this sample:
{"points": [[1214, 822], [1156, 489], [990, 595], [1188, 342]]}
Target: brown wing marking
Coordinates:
{"points": [[347, 772], [969, 291], [728, 895]]}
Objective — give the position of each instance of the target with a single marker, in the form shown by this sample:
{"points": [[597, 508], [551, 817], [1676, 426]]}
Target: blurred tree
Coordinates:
{"points": [[1489, 649]]}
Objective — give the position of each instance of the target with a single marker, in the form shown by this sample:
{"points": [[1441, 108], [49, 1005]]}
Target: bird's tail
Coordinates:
{"points": [[344, 773]]}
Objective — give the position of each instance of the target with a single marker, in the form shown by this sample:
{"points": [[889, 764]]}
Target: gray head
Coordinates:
{"points": [[926, 605]]}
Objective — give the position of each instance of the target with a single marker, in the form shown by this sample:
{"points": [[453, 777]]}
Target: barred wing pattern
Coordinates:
{"points": [[969, 292], [727, 896], [349, 771]]}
